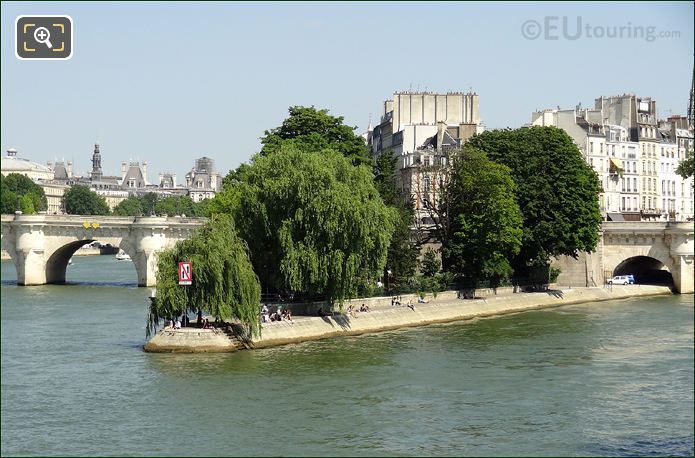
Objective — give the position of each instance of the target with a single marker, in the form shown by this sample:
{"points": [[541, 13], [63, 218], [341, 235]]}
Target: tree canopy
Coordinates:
{"points": [[556, 190], [314, 223], [309, 129], [224, 283], [80, 200], [151, 203], [132, 206], [485, 224], [19, 192]]}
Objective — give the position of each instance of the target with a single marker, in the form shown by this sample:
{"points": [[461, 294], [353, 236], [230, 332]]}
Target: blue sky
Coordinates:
{"points": [[168, 83]]}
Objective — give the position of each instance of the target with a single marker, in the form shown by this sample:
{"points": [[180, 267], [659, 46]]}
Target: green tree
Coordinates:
{"points": [[9, 202], [132, 206], [80, 200], [314, 223], [430, 263], [687, 166], [149, 203], [224, 283], [175, 205], [27, 204], [202, 208], [484, 220], [556, 190], [402, 253], [17, 191], [309, 129]]}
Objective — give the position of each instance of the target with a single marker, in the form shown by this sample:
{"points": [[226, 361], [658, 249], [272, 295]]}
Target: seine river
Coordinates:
{"points": [[612, 378]]}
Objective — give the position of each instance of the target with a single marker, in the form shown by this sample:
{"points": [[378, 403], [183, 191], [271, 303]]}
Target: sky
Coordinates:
{"points": [[167, 83]]}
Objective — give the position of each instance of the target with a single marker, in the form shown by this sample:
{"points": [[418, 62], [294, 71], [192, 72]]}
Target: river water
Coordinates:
{"points": [[612, 378]]}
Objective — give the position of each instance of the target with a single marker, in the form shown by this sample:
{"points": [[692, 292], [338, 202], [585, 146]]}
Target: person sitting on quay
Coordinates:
{"points": [[177, 324], [351, 311], [286, 315], [421, 300], [265, 317], [364, 308]]}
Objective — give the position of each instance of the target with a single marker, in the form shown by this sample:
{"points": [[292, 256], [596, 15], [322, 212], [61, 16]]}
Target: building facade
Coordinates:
{"points": [[420, 129], [203, 181], [634, 155]]}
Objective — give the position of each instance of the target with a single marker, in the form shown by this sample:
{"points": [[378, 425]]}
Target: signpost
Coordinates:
{"points": [[185, 273]]}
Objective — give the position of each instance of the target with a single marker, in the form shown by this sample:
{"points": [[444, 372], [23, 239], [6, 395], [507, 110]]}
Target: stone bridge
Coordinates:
{"points": [[627, 247], [41, 245]]}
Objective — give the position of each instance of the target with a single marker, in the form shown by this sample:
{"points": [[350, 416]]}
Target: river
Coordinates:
{"points": [[612, 378]]}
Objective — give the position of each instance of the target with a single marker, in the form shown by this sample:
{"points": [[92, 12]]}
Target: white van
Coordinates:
{"points": [[619, 280]]}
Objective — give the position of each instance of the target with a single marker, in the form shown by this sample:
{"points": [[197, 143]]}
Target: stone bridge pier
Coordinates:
{"points": [[42, 245]]}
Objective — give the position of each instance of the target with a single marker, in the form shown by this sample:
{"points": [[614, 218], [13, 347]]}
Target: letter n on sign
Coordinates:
{"points": [[185, 273]]}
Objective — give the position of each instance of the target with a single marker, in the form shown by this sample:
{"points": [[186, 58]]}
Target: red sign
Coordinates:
{"points": [[185, 273]]}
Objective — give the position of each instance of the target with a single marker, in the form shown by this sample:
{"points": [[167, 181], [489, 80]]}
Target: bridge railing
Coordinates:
{"points": [[79, 219]]}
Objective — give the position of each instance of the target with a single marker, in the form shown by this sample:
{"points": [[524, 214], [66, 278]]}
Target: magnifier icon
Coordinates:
{"points": [[42, 35]]}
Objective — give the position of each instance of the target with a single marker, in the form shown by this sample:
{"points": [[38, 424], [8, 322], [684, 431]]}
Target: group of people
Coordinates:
{"points": [[352, 310], [183, 321], [396, 302], [278, 315]]}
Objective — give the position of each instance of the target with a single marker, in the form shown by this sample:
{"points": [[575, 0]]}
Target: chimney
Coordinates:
{"points": [[69, 169], [441, 128], [123, 169], [144, 171], [11, 152], [50, 164], [173, 180]]}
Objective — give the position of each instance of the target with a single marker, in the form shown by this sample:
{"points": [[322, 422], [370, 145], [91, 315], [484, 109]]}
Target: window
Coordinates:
{"points": [[591, 147], [427, 184], [623, 204], [427, 161]]}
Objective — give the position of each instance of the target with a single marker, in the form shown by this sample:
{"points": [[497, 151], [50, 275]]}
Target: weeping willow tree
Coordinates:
{"points": [[313, 221], [224, 283]]}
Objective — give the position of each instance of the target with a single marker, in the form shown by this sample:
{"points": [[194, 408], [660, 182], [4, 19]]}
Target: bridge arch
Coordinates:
{"points": [[646, 269], [57, 261]]}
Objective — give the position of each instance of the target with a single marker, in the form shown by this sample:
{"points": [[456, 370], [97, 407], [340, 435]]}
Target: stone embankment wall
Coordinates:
{"points": [[310, 308], [445, 309]]}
